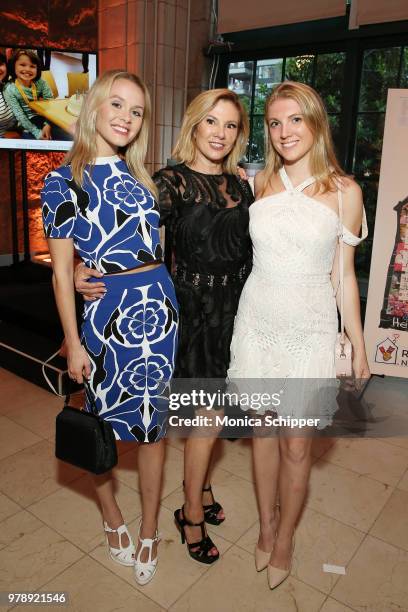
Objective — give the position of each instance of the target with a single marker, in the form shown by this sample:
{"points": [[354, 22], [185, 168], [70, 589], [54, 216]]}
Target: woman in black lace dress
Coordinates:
{"points": [[204, 206], [206, 219]]}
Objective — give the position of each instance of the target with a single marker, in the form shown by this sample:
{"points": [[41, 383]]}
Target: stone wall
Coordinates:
{"points": [[162, 41], [200, 30]]}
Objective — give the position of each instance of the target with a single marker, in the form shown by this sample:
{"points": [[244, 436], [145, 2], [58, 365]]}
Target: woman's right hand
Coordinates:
{"points": [[90, 291], [79, 366]]}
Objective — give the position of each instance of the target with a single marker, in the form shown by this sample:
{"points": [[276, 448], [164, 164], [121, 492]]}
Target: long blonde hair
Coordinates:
{"points": [[324, 165], [84, 151], [185, 149]]}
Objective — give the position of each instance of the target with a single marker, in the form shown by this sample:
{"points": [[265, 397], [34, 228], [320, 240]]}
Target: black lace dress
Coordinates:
{"points": [[208, 250]]}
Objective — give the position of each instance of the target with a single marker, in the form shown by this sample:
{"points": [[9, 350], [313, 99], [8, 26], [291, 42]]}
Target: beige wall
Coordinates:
{"points": [[162, 41], [379, 11], [239, 15]]}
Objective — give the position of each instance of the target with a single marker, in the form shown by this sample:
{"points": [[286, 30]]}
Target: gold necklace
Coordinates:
{"points": [[33, 88]]}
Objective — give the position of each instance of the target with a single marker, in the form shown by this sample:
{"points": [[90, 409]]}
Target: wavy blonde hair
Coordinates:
{"points": [[84, 149], [324, 165], [185, 149]]}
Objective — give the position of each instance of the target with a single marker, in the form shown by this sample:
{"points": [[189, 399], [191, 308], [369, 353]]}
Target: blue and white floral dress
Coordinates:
{"points": [[131, 334]]}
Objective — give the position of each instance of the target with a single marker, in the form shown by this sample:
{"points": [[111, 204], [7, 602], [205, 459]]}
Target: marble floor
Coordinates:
{"points": [[356, 517]]}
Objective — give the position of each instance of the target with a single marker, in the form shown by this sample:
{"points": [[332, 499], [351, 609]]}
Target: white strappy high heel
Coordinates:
{"points": [[125, 555], [145, 570]]}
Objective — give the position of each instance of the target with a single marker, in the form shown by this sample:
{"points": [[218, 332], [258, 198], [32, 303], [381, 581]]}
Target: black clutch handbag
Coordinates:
{"points": [[84, 439]]}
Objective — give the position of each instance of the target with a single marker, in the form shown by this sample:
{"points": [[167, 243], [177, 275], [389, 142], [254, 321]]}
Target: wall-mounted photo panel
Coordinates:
{"points": [[386, 323], [44, 88]]}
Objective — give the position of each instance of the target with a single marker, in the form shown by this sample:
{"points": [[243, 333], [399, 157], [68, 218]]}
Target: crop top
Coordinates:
{"points": [[112, 218]]}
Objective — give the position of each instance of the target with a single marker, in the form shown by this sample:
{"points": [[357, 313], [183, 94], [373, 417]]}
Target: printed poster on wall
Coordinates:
{"points": [[386, 323]]}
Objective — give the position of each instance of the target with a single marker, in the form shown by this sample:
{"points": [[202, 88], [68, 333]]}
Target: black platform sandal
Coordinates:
{"points": [[203, 546], [211, 510]]}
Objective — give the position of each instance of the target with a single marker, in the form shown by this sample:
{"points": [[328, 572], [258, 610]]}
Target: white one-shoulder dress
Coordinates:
{"points": [[286, 323]]}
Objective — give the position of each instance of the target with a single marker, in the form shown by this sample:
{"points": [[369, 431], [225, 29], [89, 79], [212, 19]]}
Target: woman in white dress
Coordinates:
{"points": [[286, 323]]}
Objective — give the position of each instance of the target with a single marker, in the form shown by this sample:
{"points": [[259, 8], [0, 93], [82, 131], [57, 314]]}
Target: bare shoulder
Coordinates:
{"points": [[351, 189], [353, 203]]}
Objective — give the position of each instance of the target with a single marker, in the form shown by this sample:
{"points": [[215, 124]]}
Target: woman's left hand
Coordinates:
{"points": [[242, 173], [360, 367], [79, 366]]}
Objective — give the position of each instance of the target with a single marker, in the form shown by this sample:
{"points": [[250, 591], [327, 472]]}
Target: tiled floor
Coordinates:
{"points": [[356, 516]]}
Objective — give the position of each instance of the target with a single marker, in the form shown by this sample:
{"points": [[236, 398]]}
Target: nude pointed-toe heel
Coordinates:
{"points": [[277, 575], [261, 559]]}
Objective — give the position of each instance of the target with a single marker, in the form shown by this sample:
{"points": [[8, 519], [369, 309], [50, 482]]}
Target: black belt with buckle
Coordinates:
{"points": [[199, 279]]}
